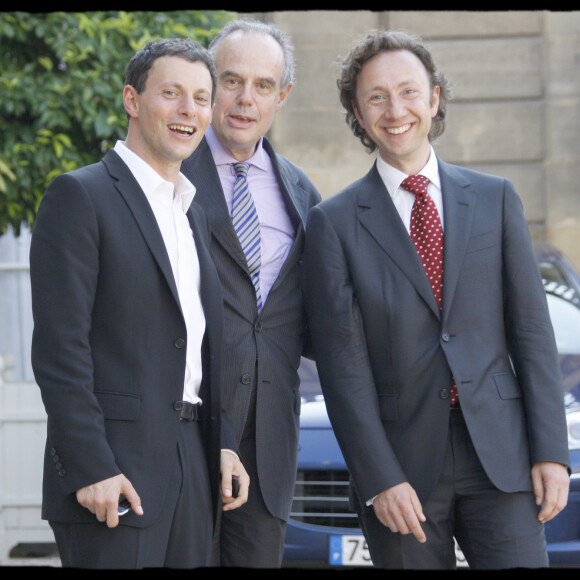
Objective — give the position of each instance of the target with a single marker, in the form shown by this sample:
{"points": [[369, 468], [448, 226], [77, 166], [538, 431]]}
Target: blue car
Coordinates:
{"points": [[323, 532]]}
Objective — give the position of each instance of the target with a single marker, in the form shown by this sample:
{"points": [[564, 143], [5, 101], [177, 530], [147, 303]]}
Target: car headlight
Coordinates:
{"points": [[573, 420]]}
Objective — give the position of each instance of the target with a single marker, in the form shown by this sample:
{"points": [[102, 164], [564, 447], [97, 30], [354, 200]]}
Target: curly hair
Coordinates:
{"points": [[381, 41]]}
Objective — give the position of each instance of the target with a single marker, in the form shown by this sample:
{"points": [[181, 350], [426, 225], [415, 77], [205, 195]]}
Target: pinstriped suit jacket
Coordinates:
{"points": [[264, 349]]}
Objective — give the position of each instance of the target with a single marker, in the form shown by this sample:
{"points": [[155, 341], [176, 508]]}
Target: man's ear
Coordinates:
{"points": [[357, 114], [435, 101], [131, 101], [283, 96]]}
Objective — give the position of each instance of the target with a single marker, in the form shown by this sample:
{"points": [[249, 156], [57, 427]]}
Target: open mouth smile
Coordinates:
{"points": [[182, 129], [397, 130]]}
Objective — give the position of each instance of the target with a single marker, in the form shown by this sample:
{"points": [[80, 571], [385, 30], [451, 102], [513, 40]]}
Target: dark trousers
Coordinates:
{"points": [[495, 530], [250, 537], [179, 538]]}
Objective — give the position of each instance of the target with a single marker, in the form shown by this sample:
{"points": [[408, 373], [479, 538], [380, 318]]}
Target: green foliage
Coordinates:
{"points": [[61, 83]]}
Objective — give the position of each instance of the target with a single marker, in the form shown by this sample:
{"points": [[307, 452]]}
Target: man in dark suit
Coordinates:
{"points": [[265, 324], [490, 466], [127, 337]]}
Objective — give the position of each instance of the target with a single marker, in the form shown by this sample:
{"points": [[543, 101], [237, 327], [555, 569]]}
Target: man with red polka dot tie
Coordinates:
{"points": [[420, 280]]}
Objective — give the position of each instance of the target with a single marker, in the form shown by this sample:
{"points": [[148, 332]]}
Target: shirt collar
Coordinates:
{"points": [[222, 157], [150, 181], [392, 177]]}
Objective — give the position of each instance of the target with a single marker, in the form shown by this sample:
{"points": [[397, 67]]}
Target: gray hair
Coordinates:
{"points": [[259, 27]]}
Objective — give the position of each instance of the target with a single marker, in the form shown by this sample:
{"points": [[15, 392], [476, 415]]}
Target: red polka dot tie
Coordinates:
{"points": [[427, 235]]}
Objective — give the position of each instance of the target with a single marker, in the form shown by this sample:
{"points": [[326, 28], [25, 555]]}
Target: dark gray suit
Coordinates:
{"points": [[386, 354], [108, 346], [261, 352]]}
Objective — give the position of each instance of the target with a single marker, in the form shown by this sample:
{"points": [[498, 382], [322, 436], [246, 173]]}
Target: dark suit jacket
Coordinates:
{"points": [[385, 353], [108, 348], [269, 344]]}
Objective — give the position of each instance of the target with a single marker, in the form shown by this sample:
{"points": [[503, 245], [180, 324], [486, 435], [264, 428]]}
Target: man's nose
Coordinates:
{"points": [[188, 107]]}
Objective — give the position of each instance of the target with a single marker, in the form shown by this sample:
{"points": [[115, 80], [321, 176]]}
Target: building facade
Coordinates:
{"points": [[516, 87]]}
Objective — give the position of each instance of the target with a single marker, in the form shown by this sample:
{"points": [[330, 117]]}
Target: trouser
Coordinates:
{"points": [[179, 538], [250, 537], [495, 530]]}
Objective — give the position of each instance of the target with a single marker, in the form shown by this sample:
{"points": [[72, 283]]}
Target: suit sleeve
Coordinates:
{"points": [[530, 337], [64, 269], [342, 358]]}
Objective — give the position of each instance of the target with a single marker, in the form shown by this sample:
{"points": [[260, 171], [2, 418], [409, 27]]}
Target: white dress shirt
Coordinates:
{"points": [[403, 199], [170, 204]]}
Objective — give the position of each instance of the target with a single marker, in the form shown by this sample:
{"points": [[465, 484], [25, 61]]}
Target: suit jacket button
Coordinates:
{"points": [[62, 473], [444, 393], [258, 327], [179, 343], [245, 379], [445, 337]]}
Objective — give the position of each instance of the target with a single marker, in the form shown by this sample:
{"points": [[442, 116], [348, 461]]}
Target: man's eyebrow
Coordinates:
{"points": [[230, 73], [172, 84], [233, 74]]}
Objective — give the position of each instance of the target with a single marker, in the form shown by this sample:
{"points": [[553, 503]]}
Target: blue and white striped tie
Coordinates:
{"points": [[247, 225]]}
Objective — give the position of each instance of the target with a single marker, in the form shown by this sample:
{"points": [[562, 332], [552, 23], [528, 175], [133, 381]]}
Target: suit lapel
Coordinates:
{"points": [[201, 170], [378, 215], [296, 205], [458, 208], [129, 189]]}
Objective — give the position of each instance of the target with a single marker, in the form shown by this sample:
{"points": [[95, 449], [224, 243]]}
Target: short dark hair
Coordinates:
{"points": [[140, 65], [383, 41], [259, 27]]}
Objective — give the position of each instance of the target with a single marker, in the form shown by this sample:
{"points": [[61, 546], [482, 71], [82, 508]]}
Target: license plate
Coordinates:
{"points": [[352, 550], [349, 550]]}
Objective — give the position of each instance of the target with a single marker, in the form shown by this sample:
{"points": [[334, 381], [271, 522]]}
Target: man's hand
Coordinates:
{"points": [[102, 498], [551, 484], [232, 466], [400, 510]]}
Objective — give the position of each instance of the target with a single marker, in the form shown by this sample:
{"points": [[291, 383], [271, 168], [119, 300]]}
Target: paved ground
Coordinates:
{"points": [[28, 562], [32, 555]]}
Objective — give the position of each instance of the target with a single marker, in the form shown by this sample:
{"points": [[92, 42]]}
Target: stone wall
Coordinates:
{"points": [[516, 85]]}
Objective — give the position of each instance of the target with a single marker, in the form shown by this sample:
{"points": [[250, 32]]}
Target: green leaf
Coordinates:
{"points": [[61, 81]]}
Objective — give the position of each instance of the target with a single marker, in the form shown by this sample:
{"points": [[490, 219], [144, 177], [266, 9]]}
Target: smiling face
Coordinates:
{"points": [[249, 92], [395, 105], [170, 116]]}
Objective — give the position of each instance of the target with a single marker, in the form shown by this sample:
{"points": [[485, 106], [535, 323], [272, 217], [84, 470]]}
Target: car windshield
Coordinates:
{"points": [[557, 283], [566, 322], [564, 305]]}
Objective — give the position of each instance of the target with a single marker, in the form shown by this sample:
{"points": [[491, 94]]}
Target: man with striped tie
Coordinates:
{"points": [[256, 202]]}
